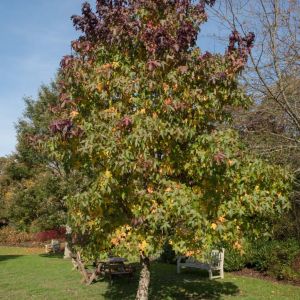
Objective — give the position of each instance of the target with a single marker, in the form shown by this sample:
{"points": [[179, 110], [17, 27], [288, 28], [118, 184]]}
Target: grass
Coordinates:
{"points": [[30, 274]]}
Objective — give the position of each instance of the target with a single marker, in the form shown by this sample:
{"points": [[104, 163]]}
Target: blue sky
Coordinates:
{"points": [[35, 34]]}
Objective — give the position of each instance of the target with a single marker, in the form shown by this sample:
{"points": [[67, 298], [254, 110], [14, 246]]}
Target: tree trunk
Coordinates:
{"points": [[67, 252], [143, 289], [82, 269], [68, 243]]}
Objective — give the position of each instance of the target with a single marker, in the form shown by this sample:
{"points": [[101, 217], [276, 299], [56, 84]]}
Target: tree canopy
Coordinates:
{"points": [[142, 118]]}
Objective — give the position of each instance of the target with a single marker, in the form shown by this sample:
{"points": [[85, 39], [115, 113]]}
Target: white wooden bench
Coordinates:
{"points": [[215, 264]]}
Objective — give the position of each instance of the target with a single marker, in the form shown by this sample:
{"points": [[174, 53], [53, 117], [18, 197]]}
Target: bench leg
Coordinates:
{"points": [[210, 274], [178, 268]]}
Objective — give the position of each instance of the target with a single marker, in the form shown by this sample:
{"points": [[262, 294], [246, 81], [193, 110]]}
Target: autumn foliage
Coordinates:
{"points": [[142, 122]]}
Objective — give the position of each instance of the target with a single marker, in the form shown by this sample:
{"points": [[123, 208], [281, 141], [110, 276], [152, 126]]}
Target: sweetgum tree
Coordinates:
{"points": [[142, 120]]}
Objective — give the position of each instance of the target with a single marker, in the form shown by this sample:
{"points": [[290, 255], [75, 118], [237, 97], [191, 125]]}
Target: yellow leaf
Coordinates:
{"points": [[141, 111], [74, 113], [237, 246], [106, 66], [91, 223], [115, 241], [230, 162], [221, 219], [150, 190], [165, 87], [108, 174], [190, 253], [106, 153], [100, 87], [128, 227], [213, 226], [115, 64], [143, 245]]}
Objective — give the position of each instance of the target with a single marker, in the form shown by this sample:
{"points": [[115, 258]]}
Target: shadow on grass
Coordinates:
{"points": [[166, 284], [8, 257], [52, 255]]}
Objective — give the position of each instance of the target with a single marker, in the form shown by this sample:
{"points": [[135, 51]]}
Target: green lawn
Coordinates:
{"points": [[29, 275]]}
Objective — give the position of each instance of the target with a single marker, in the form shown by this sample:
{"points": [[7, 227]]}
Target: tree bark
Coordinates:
{"points": [[68, 243], [144, 282], [82, 269]]}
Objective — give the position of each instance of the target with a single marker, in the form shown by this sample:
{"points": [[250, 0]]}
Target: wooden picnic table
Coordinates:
{"points": [[113, 266]]}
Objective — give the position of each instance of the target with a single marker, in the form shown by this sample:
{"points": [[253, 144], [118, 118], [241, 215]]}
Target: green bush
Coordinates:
{"points": [[168, 254], [234, 260], [275, 257], [258, 255]]}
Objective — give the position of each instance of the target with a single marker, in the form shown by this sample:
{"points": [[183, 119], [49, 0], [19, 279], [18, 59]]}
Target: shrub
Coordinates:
{"points": [[51, 234], [275, 258], [258, 254], [168, 254], [234, 260], [10, 236]]}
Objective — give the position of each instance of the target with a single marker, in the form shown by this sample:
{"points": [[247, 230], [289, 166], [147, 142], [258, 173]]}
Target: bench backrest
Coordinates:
{"points": [[191, 260], [216, 259]]}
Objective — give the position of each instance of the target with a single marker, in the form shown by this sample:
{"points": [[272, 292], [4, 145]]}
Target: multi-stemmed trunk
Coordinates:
{"points": [[143, 289]]}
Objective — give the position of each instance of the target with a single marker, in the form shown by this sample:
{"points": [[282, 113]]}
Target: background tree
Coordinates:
{"points": [[142, 120], [271, 127], [32, 185], [5, 193]]}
